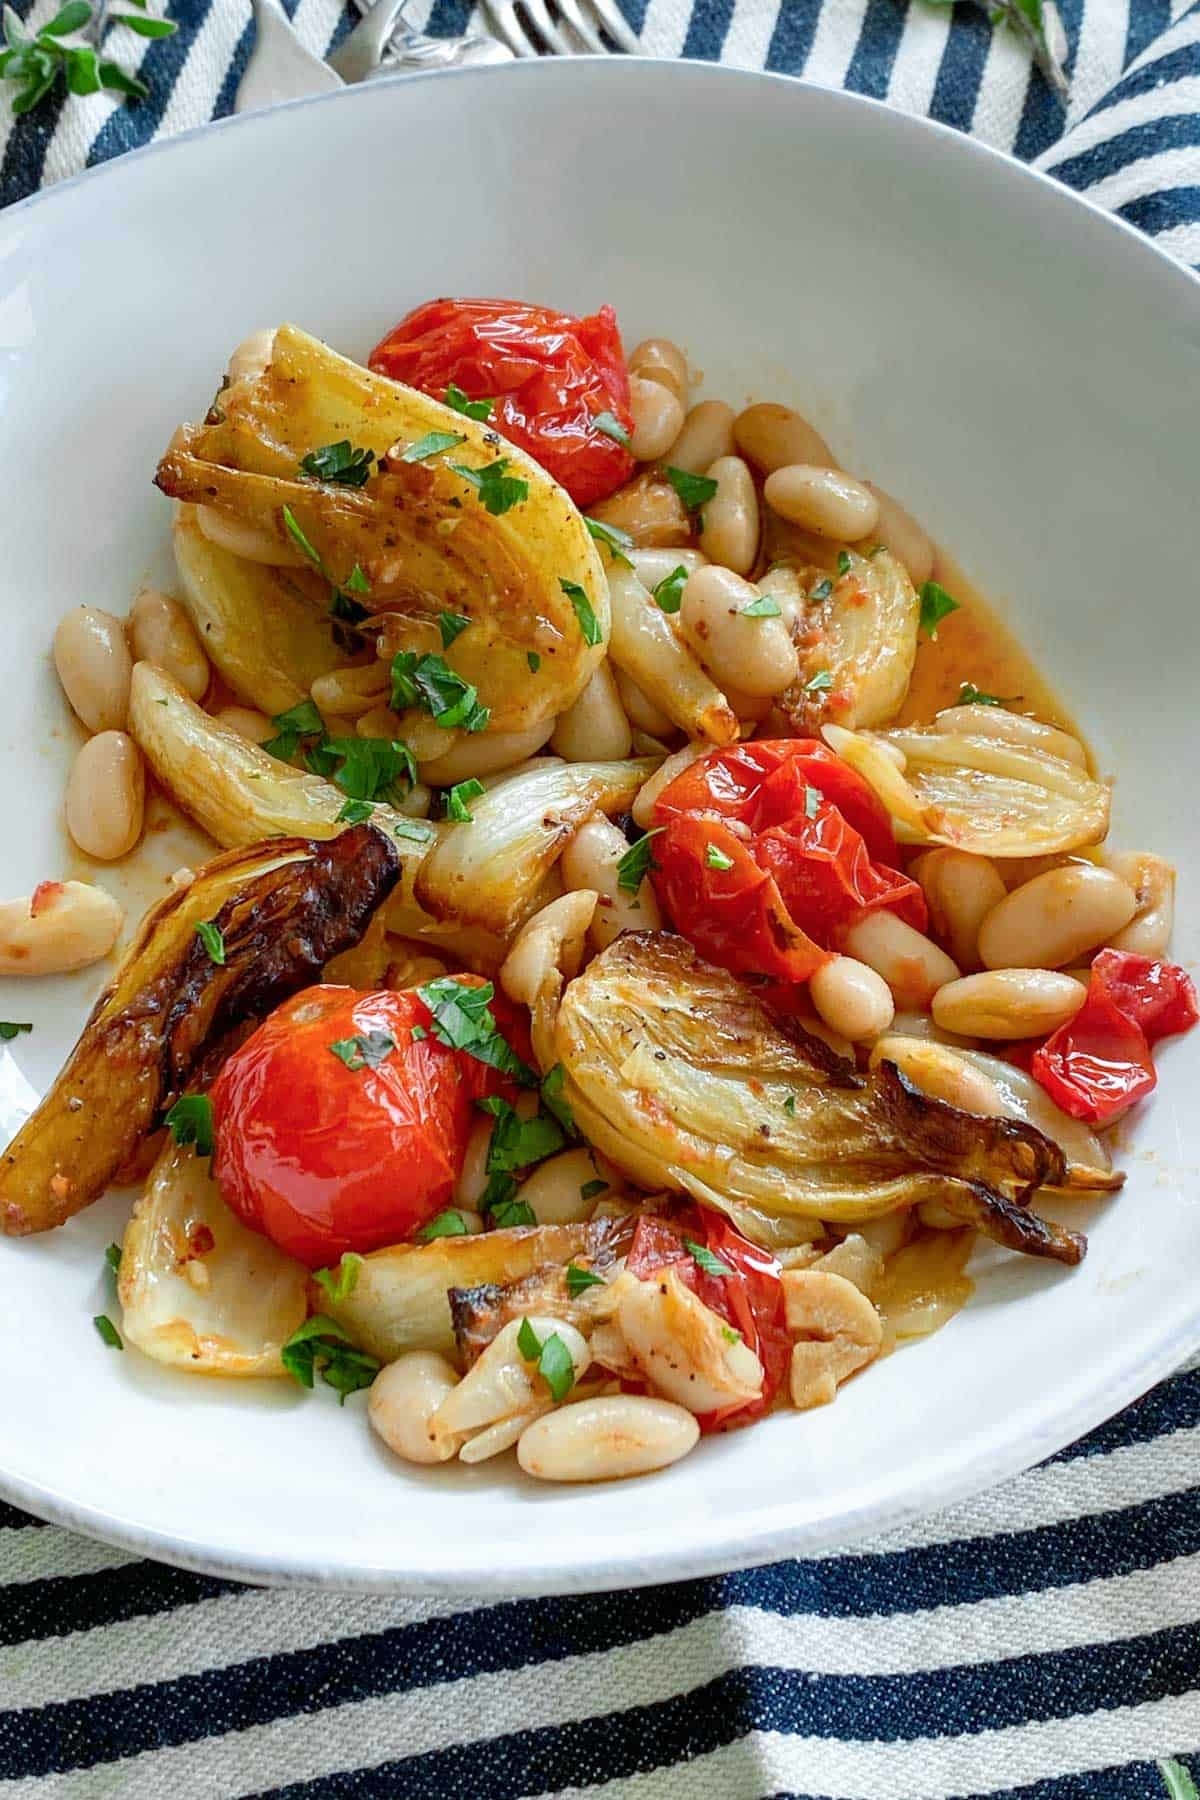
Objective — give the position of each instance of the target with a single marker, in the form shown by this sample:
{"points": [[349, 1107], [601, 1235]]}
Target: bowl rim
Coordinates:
{"points": [[664, 1553]]}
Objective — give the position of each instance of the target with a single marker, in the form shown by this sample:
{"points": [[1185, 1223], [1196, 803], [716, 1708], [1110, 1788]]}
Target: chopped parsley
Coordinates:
{"points": [[694, 490], [936, 604], [457, 401], [112, 1257], [730, 1335], [430, 683], [11, 1028], [108, 1331], [518, 1143], [553, 1359], [446, 1224], [340, 1283], [508, 1214], [355, 812], [579, 1280], [498, 491], [553, 1082], [789, 1106], [534, 661], [611, 426], [338, 463], [843, 562], [190, 1121], [463, 1019], [615, 541], [347, 615], [451, 625], [970, 695], [293, 728], [434, 443], [296, 532], [765, 607], [414, 830], [457, 807], [367, 1050], [356, 582], [716, 859], [637, 862], [820, 683], [322, 1345], [822, 590], [213, 939], [591, 1189], [418, 1033], [366, 768], [582, 606], [705, 1260], [668, 593]]}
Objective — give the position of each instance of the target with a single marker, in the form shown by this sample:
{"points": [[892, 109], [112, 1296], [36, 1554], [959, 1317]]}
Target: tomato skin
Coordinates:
{"points": [[750, 1299], [323, 1159], [1158, 996], [1099, 1063], [549, 374]]}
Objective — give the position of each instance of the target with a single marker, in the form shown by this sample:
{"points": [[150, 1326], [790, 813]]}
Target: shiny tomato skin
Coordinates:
{"points": [[1158, 996], [548, 374], [322, 1158]]}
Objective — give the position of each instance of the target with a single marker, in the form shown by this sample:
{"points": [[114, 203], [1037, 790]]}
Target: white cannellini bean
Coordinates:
{"points": [[252, 725], [607, 1439], [1012, 728], [912, 964], [639, 709], [707, 434], [589, 864], [595, 728], [907, 541], [961, 890], [653, 566], [252, 355], [852, 999], [94, 666], [941, 1073], [472, 1175], [1053, 919], [1008, 1003], [62, 925], [501, 1436], [657, 417], [772, 436], [822, 500], [663, 776], [348, 693], [752, 653], [1152, 878], [106, 796], [921, 1025], [729, 529], [482, 753], [402, 1403], [163, 634], [250, 542], [658, 359], [554, 1190]]}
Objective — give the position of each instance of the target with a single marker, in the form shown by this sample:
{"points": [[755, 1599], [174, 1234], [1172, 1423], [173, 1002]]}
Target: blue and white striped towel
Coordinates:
{"points": [[1040, 1643]]}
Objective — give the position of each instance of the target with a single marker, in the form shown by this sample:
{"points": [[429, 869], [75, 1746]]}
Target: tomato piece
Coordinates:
{"points": [[750, 1298], [323, 1158], [1158, 996], [826, 877], [548, 373], [1098, 1063]]}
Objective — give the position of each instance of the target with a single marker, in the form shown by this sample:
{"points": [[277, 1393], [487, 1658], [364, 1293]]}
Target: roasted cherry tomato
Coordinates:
{"points": [[549, 375], [776, 904], [328, 1140], [1098, 1063], [1158, 996], [749, 1298]]}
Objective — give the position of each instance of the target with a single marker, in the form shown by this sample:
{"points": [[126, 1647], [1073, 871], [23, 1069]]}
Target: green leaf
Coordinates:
{"points": [[83, 69], [534, 661], [296, 532], [113, 76], [463, 1019], [112, 1257], [14, 31], [417, 1033], [322, 1345], [970, 695], [299, 722], [579, 1280], [190, 1121], [9, 1029], [71, 17], [338, 463], [40, 72], [430, 683], [498, 491], [716, 859], [367, 1050], [668, 594], [213, 939], [553, 1082], [820, 683], [355, 812], [843, 562], [1177, 1781], [457, 401], [637, 862], [582, 606], [518, 1143], [789, 1106], [414, 830], [367, 768], [730, 1335], [500, 1190], [822, 590], [447, 1224], [434, 443], [704, 1258], [612, 427], [615, 541], [108, 1331], [592, 1189], [936, 604], [693, 490], [457, 799], [765, 607], [510, 1213], [556, 1367], [528, 1342], [147, 28], [357, 582], [341, 1282], [451, 625]]}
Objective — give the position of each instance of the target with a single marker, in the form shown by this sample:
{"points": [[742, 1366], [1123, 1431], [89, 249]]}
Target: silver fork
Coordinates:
{"points": [[532, 27]]}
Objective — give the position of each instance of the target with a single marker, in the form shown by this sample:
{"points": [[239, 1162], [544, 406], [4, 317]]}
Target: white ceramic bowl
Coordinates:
{"points": [[1017, 367]]}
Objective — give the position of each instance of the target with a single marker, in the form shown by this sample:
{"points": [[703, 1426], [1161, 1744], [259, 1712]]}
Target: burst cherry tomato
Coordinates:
{"points": [[328, 1149], [549, 375], [1098, 1063]]}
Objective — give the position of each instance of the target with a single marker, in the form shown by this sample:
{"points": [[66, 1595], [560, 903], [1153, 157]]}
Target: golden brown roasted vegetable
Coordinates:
{"points": [[679, 1075], [420, 534], [863, 635], [283, 909]]}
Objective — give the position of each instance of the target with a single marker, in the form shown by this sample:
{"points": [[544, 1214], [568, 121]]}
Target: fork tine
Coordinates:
{"points": [[617, 26], [545, 27], [503, 15], [573, 14]]}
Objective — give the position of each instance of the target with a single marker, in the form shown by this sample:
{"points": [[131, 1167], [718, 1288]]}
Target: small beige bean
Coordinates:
{"points": [[252, 356], [729, 528], [941, 1074], [589, 864], [822, 500], [348, 693], [658, 359], [472, 1175], [1008, 1003], [163, 634], [607, 1439], [912, 964], [640, 710], [106, 796], [482, 753], [1012, 728], [555, 1189], [653, 566], [254, 726], [250, 542], [1152, 879], [1055, 918], [783, 583], [657, 417], [921, 1025], [772, 436], [707, 434], [62, 925], [94, 666], [906, 540], [961, 890], [663, 776], [595, 728], [750, 652], [402, 1402], [852, 999]]}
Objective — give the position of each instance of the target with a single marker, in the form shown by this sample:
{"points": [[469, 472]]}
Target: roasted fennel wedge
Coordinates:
{"points": [[198, 1289], [528, 577], [680, 1076], [863, 635], [283, 910]]}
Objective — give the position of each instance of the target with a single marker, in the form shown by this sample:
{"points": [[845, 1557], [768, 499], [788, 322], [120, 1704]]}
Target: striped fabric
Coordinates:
{"points": [[1040, 1643]]}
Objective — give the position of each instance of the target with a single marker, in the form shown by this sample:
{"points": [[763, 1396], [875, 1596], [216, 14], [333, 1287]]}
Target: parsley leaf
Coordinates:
{"points": [[693, 490], [296, 533], [578, 1280], [457, 401], [430, 683], [34, 65], [704, 1258], [9, 1029], [341, 1282], [213, 939], [843, 562], [970, 695], [591, 1189], [936, 604], [553, 1359], [498, 491], [510, 1213], [669, 592], [365, 1051], [820, 683], [822, 590], [552, 1098], [518, 1143], [355, 812], [789, 1106], [588, 623], [367, 768], [190, 1121], [451, 625], [338, 463], [346, 614], [322, 1345], [730, 1335], [112, 1257], [463, 1019], [414, 830], [637, 862], [615, 541], [108, 1331], [528, 1342], [1177, 1781], [434, 443], [534, 661], [716, 859], [293, 727], [457, 798], [765, 607], [612, 427], [357, 582], [446, 1224]]}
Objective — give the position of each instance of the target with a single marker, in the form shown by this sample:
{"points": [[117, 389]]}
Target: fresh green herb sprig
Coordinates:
{"points": [[765, 607], [459, 797], [552, 1357], [583, 610], [321, 1346], [340, 1282], [11, 1028], [637, 862], [614, 540], [368, 1050], [970, 695], [668, 593], [579, 1280], [936, 605], [190, 1121], [340, 464], [499, 492], [463, 1019], [705, 1260], [715, 858], [458, 402], [108, 1331], [611, 426], [518, 1143], [428, 682], [213, 939], [1037, 23], [694, 490], [446, 1224], [553, 1082], [35, 64]]}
